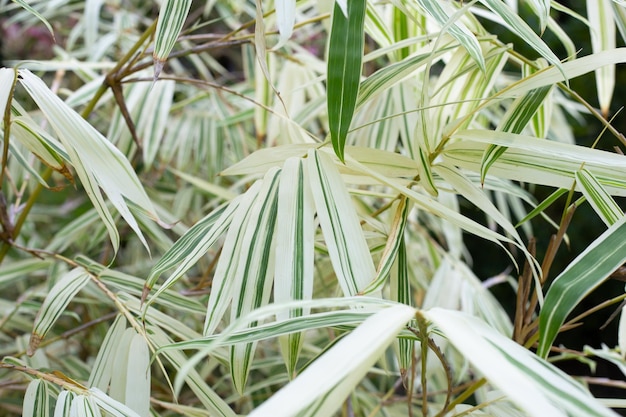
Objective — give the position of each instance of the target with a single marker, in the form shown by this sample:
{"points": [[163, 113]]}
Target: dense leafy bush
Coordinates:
{"points": [[259, 207]]}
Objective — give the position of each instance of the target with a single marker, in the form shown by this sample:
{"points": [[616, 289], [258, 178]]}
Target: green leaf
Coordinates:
{"points": [[534, 385], [345, 58], [333, 376], [35, 13], [55, 303], [582, 275], [340, 225], [172, 16]]}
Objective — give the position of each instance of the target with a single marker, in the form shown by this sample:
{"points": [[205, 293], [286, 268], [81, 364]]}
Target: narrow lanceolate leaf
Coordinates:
{"points": [[191, 246], [521, 29], [55, 303], [223, 280], [36, 399], [138, 376], [345, 59], [84, 406], [332, 377], [442, 12], [101, 370], [98, 163], [7, 84], [602, 30], [112, 407], [534, 385], [172, 16], [583, 275], [401, 292], [295, 238], [515, 120], [340, 225], [395, 240], [542, 10], [253, 276], [64, 404], [285, 19], [35, 13], [601, 201]]}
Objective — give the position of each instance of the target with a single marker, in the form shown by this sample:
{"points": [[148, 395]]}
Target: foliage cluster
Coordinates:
{"points": [[259, 207]]}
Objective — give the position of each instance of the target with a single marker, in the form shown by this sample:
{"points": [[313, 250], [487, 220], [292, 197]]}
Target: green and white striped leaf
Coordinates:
{"points": [[327, 382], [223, 280], [395, 240], [84, 406], [253, 276], [55, 303], [345, 59], [8, 79], [64, 404], [172, 16], [601, 201], [191, 246], [97, 162], [582, 275], [537, 161], [102, 370], [295, 234], [518, 115], [602, 31], [109, 405], [443, 12], [542, 10], [534, 385], [340, 225], [515, 23], [566, 71], [36, 399]]}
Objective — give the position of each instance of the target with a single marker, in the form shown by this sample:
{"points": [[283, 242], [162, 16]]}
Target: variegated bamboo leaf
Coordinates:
{"points": [[223, 279], [109, 405], [64, 404], [253, 275], [521, 29], [601, 201], [345, 58], [172, 16], [36, 399], [295, 233], [55, 303], [84, 406], [333, 376], [602, 31], [394, 244], [582, 275], [97, 162], [343, 234], [102, 370], [191, 247], [285, 19], [443, 13], [534, 385], [138, 376]]}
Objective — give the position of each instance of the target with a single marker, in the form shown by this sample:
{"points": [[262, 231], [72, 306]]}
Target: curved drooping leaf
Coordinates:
{"points": [[583, 275]]}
